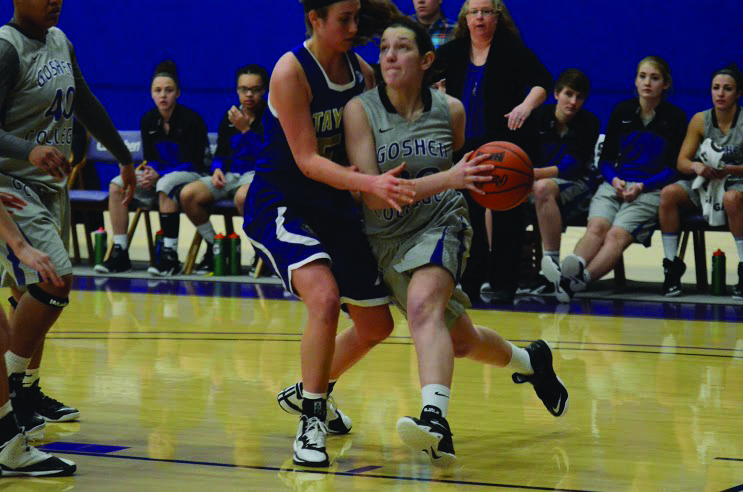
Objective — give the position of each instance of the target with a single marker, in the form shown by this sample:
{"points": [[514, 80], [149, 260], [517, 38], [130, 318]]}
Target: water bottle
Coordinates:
{"points": [[101, 240], [718, 273], [220, 255], [234, 240]]}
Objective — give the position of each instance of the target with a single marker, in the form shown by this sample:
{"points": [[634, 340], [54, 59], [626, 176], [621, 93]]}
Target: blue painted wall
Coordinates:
{"points": [[119, 44]]}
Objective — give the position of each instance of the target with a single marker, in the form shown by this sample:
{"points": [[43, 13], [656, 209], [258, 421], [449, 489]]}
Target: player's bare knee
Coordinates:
{"points": [[420, 311], [597, 228], [619, 237], [323, 302], [461, 344], [733, 203], [543, 191], [670, 195]]}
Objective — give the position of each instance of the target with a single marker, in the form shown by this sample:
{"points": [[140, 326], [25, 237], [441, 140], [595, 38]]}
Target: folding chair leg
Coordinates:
{"points": [[192, 252], [133, 226], [75, 246], [228, 226], [700, 260], [620, 280], [684, 243], [258, 268], [150, 245]]}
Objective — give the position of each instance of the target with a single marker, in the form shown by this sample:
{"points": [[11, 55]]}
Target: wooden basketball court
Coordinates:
{"points": [[177, 392]]}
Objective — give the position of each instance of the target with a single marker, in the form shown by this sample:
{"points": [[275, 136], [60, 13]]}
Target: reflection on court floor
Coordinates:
{"points": [[177, 392]]}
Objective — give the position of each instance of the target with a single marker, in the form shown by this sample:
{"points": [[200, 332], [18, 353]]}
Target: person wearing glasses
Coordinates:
{"points": [[174, 143], [500, 82], [238, 142]]}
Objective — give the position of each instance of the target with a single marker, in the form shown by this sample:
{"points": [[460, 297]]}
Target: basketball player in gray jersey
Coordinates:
{"points": [[41, 88], [422, 249]]}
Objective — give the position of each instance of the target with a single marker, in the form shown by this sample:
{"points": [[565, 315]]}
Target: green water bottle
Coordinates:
{"points": [[718, 273], [220, 255], [234, 241], [101, 240]]}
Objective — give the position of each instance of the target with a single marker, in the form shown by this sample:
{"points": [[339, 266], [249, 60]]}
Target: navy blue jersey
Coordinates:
{"points": [[276, 165], [236, 151], [643, 154], [182, 149], [572, 152]]}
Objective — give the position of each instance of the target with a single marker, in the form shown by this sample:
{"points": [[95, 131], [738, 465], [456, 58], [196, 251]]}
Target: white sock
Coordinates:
{"points": [[15, 363], [436, 395], [586, 276], [170, 242], [121, 240], [739, 245], [6, 409], [314, 396], [32, 375], [671, 245], [520, 361], [207, 232], [554, 256]]}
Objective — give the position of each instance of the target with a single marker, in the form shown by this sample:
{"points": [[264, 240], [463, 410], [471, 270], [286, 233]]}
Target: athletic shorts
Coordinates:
{"points": [[736, 185], [44, 222], [288, 236], [639, 218], [575, 198], [233, 182], [445, 243], [171, 184]]}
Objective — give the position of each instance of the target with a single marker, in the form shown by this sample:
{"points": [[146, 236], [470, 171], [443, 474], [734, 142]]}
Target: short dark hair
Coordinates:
{"points": [[254, 69], [573, 79]]}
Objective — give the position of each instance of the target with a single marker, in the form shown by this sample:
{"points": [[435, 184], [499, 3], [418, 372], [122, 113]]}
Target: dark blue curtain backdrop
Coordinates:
{"points": [[119, 44]]}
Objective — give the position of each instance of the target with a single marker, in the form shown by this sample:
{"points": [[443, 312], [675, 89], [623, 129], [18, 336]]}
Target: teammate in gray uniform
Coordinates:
{"points": [[723, 125], [421, 251], [41, 88]]}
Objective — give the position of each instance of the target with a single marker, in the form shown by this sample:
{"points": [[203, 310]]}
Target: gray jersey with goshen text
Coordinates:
{"points": [[39, 107], [732, 143], [424, 145]]}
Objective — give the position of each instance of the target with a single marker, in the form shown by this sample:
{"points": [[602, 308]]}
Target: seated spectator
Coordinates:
{"points": [[174, 142], [238, 142], [430, 15], [638, 159], [712, 151], [564, 181]]}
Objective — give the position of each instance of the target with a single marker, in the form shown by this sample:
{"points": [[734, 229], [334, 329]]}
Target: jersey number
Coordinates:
{"points": [[326, 146], [63, 105]]}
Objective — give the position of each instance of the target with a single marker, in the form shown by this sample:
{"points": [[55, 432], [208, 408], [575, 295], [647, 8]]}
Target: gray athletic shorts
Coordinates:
{"points": [[639, 218], [45, 222], [445, 243], [171, 184], [735, 185], [233, 182], [575, 198]]}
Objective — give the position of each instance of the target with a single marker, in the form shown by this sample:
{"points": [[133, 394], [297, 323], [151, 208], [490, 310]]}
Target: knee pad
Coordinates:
{"points": [[46, 298]]}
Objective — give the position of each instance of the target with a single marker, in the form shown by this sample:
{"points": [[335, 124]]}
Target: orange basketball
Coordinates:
{"points": [[513, 176]]}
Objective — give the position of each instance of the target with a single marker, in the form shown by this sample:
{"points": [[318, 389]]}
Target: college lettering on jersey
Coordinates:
{"points": [[409, 147], [329, 120], [53, 69]]}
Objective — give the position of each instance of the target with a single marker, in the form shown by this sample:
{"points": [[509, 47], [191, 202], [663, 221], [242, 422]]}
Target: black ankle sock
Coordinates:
{"points": [[331, 386], [315, 408], [8, 428], [170, 224]]}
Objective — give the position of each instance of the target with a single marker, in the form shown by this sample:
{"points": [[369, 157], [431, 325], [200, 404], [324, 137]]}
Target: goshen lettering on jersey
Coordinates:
{"points": [[408, 147], [329, 120], [53, 69]]}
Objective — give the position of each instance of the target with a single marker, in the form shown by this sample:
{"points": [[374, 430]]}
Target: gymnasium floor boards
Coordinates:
{"points": [[177, 392]]}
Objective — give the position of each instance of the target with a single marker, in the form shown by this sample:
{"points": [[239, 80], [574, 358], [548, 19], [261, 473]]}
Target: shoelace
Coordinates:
{"points": [[315, 432], [49, 402]]}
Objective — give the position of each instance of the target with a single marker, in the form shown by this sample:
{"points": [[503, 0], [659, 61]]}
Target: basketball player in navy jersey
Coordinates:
{"points": [[300, 215]]}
